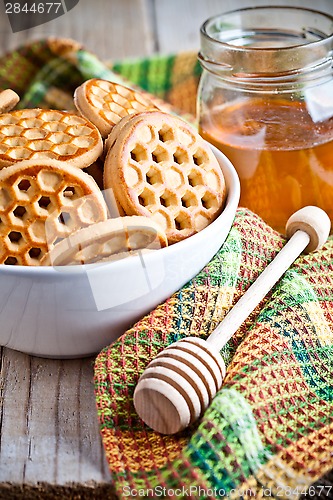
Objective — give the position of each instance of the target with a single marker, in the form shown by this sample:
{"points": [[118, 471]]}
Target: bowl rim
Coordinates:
{"points": [[232, 200]]}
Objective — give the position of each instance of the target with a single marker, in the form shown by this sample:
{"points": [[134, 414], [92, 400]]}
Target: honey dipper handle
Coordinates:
{"points": [[308, 230]]}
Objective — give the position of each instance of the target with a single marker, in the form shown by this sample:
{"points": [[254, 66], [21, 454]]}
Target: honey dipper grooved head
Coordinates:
{"points": [[178, 385]]}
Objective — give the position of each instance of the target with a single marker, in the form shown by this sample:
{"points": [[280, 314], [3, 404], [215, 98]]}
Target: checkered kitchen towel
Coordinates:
{"points": [[45, 74]]}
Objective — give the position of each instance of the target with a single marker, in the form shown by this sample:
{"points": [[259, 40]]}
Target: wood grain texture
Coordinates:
{"points": [[49, 427], [178, 28], [135, 28], [111, 29]]}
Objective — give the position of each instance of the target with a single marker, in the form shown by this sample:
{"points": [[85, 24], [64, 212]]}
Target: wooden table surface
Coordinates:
{"points": [[50, 444]]}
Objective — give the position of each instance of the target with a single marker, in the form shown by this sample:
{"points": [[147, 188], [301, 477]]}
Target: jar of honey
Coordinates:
{"points": [[265, 99]]}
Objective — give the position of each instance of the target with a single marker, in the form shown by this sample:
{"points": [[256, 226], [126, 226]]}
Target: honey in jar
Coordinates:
{"points": [[281, 168], [268, 106]]}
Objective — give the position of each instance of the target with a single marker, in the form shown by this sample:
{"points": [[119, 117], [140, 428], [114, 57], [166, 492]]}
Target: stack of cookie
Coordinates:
{"points": [[68, 198]]}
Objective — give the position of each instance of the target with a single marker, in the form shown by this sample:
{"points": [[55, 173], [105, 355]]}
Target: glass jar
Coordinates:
{"points": [[265, 99]]}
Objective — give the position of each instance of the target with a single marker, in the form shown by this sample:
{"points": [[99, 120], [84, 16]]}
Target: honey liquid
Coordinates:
{"points": [[284, 160]]}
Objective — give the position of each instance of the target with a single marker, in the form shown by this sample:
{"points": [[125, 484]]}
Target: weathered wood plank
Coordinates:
{"points": [[8, 39], [112, 30], [133, 28], [49, 427], [178, 21]]}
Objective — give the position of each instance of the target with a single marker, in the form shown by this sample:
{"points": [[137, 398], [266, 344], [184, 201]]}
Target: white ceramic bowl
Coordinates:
{"points": [[75, 311]]}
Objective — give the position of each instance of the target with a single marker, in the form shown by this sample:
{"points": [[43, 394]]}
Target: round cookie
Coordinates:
{"points": [[41, 202], [159, 166], [29, 134], [105, 103], [104, 241]]}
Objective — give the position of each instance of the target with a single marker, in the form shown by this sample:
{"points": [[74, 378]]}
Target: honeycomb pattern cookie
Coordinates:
{"points": [[105, 103], [106, 240], [159, 166], [29, 134], [41, 202]]}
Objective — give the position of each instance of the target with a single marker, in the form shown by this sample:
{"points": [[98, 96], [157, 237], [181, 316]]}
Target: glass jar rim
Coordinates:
{"points": [[264, 59]]}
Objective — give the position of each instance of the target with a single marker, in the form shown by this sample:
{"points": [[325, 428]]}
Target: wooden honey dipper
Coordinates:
{"points": [[180, 383]]}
